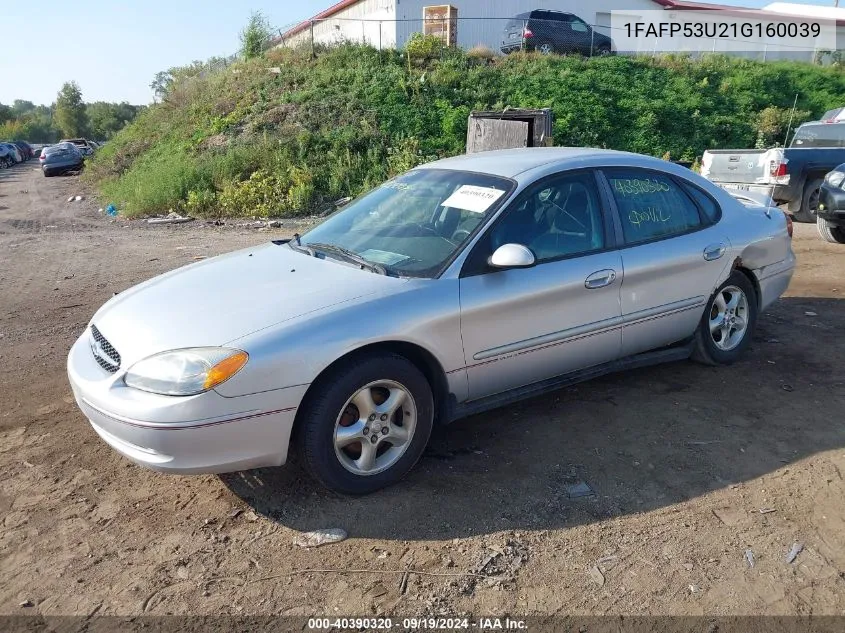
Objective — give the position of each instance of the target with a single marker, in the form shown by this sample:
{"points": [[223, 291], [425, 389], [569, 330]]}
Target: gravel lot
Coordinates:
{"points": [[682, 459]]}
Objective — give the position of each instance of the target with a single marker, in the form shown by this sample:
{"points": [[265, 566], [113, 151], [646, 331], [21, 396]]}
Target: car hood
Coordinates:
{"points": [[227, 297]]}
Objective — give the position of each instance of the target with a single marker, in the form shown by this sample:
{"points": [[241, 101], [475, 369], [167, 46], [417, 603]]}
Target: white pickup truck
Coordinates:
{"points": [[791, 176]]}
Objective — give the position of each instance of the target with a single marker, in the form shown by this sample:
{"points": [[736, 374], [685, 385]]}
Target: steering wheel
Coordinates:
{"points": [[459, 236], [428, 229]]}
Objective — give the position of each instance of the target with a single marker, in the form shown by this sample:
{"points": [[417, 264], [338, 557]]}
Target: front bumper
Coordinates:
{"points": [[205, 433], [832, 205]]}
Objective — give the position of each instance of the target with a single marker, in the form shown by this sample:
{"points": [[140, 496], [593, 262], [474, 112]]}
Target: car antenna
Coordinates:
{"points": [[785, 139], [789, 125]]}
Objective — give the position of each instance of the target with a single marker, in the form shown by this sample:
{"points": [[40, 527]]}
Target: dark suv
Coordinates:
{"points": [[554, 32], [830, 216]]}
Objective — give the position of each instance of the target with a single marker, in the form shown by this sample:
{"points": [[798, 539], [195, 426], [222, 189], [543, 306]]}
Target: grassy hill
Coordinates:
{"points": [[244, 140]]}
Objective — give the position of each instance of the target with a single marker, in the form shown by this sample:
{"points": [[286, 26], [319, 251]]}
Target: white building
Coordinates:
{"points": [[389, 23]]}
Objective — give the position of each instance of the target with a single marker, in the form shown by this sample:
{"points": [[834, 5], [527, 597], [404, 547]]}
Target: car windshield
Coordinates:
{"points": [[411, 225]]}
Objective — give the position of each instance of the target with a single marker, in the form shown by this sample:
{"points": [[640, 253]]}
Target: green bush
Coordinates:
{"points": [[423, 47], [263, 194], [242, 141], [201, 203]]}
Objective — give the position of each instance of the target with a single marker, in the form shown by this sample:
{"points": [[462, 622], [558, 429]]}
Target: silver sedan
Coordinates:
{"points": [[460, 286]]}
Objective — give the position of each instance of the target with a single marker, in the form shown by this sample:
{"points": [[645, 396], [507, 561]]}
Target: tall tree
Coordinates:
{"points": [[104, 119], [69, 115], [21, 107], [256, 35]]}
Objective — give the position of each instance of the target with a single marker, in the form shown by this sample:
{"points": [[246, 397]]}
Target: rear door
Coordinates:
{"points": [[580, 35], [520, 326], [674, 254], [514, 31]]}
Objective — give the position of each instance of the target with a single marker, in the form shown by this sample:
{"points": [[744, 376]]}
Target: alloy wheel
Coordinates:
{"points": [[375, 427], [729, 316]]}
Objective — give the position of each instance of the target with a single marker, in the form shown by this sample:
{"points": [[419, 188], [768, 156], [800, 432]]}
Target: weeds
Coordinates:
{"points": [[242, 141]]}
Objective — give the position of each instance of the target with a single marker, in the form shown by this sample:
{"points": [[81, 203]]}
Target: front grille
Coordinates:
{"points": [[105, 355]]}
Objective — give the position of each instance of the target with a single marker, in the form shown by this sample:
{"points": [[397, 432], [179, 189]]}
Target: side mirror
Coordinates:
{"points": [[512, 256]]}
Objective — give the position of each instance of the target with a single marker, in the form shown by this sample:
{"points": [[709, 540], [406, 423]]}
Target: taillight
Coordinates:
{"points": [[788, 224], [777, 169], [527, 33]]}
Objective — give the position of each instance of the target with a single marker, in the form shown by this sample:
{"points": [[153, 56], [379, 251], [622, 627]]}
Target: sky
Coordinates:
{"points": [[113, 49]]}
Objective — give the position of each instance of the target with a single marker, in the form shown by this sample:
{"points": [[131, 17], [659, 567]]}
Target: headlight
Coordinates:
{"points": [[185, 372], [835, 178]]}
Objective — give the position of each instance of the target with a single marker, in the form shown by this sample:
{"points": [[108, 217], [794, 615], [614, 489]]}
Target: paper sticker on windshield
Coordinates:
{"points": [[383, 257], [473, 198]]}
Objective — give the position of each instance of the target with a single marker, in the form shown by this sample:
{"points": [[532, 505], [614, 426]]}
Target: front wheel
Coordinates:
{"points": [[809, 201], [830, 232], [727, 324], [365, 424]]}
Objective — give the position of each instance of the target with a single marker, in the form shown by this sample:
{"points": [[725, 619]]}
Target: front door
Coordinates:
{"points": [[521, 326]]}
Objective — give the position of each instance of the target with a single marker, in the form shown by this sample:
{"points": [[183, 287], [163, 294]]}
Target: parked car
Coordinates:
{"points": [[13, 151], [61, 158], [7, 156], [834, 116], [554, 32], [25, 149], [460, 286], [830, 217], [791, 176], [83, 145]]}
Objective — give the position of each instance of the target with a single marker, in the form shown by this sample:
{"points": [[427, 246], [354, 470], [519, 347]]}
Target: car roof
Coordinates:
{"points": [[509, 163]]}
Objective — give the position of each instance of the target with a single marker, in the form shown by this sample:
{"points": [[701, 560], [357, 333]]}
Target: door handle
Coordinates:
{"points": [[600, 279], [714, 252]]}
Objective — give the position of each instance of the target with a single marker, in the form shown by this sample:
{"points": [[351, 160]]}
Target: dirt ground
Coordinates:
{"points": [[682, 459]]}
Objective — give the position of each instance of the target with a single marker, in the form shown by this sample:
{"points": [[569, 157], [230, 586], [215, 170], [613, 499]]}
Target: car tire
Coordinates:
{"points": [[603, 51], [47, 173], [830, 232], [346, 413], [545, 48], [719, 340], [809, 201]]}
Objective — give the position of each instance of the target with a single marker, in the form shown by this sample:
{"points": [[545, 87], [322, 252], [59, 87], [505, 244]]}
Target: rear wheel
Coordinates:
{"points": [[727, 325], [366, 423], [830, 232], [810, 201], [545, 48]]}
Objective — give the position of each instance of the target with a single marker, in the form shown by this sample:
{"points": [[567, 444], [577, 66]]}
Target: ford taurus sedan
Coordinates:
{"points": [[460, 286]]}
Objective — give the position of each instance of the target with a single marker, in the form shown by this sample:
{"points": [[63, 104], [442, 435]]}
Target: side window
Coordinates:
{"points": [[579, 25], [651, 205], [708, 206], [557, 218]]}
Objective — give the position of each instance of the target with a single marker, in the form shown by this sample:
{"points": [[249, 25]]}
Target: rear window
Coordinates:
{"points": [[707, 205], [822, 135], [517, 21]]}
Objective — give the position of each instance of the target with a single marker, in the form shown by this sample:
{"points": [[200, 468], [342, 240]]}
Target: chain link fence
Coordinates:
{"points": [[525, 33]]}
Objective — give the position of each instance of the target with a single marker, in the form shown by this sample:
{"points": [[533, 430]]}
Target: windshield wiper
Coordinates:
{"points": [[348, 255]]}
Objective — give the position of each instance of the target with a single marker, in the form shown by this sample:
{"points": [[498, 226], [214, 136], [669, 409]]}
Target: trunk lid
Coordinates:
{"points": [[742, 166]]}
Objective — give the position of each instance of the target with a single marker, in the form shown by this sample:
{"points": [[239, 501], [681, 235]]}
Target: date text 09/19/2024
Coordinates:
{"points": [[421, 623]]}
